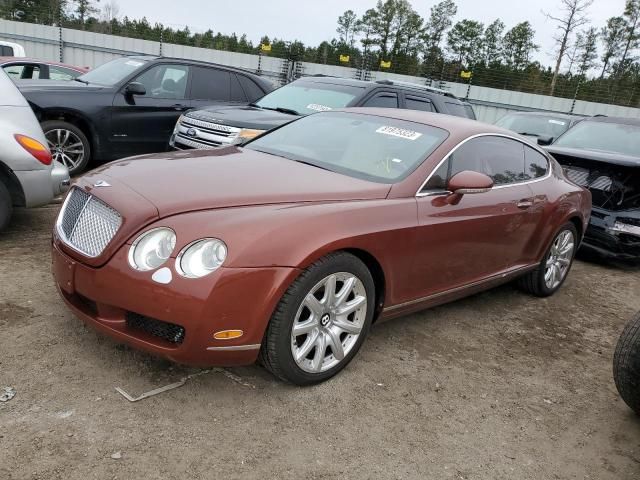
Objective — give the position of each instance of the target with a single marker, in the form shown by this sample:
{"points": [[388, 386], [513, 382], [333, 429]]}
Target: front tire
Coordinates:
{"points": [[68, 144], [626, 364], [552, 271], [321, 321], [6, 206]]}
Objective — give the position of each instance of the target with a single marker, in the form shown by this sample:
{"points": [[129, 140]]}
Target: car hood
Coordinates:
{"points": [[244, 116], [180, 182], [27, 86], [597, 156]]}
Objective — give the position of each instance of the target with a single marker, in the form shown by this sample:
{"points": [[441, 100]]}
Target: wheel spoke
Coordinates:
{"points": [[329, 291], [303, 328], [68, 160], [306, 347], [313, 304], [65, 138], [352, 306], [347, 326], [321, 349], [333, 338], [344, 292], [567, 249], [58, 133]]}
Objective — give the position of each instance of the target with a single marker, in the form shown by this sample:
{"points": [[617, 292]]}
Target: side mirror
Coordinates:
{"points": [[542, 140], [135, 88], [466, 182]]}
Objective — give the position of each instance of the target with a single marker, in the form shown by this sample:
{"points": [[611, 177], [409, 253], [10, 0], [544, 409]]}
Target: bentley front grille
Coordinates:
{"points": [[86, 223]]}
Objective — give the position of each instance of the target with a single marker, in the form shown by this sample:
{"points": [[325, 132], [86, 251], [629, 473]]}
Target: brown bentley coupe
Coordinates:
{"points": [[288, 248]]}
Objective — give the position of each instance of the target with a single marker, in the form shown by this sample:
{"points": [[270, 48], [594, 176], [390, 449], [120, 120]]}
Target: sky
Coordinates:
{"points": [[312, 21]]}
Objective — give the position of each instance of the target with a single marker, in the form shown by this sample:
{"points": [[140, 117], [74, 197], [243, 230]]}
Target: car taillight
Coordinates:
{"points": [[35, 148]]}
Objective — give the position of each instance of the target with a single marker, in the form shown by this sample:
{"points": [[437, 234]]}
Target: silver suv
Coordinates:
{"points": [[28, 175]]}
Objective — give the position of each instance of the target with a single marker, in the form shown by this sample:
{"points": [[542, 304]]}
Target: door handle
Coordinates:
{"points": [[179, 106], [524, 204]]}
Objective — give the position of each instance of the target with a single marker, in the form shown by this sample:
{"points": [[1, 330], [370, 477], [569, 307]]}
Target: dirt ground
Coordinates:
{"points": [[498, 386]]}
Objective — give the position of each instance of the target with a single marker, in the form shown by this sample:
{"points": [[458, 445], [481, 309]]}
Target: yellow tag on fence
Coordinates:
{"points": [[344, 58], [384, 64]]}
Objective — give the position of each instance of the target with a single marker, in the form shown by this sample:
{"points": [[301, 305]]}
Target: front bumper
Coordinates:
{"points": [[107, 298], [605, 237], [41, 186]]}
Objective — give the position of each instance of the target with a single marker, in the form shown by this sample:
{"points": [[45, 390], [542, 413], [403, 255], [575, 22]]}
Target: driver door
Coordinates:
{"points": [[143, 123], [484, 234]]}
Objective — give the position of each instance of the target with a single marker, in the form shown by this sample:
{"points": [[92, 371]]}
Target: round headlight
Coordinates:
{"points": [[152, 249], [201, 257]]}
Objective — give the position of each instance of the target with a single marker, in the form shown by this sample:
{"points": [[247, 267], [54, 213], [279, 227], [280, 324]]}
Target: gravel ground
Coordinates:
{"points": [[497, 386]]}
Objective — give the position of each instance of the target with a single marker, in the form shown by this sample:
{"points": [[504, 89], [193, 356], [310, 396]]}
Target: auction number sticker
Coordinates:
{"points": [[318, 108], [399, 132], [133, 63], [557, 122]]}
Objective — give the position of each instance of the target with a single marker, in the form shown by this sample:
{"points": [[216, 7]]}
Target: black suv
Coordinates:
{"points": [[130, 105], [214, 126]]}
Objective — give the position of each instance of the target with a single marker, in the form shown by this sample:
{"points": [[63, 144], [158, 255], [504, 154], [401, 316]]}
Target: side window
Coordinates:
{"points": [[440, 178], [61, 73], [535, 164], [383, 100], [253, 91], [237, 95], [417, 103], [165, 81], [500, 158], [14, 71], [211, 84], [6, 51], [459, 110]]}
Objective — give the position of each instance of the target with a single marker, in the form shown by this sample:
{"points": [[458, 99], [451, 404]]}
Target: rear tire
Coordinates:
{"points": [[626, 364], [329, 327], [6, 206], [69, 145], [538, 282]]}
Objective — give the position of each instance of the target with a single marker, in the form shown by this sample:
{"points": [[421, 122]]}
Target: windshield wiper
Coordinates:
{"points": [[81, 81], [292, 159], [282, 110], [255, 105]]}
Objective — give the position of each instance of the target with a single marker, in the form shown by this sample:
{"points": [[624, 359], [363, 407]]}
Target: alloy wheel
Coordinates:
{"points": [[66, 147], [328, 322], [559, 259]]}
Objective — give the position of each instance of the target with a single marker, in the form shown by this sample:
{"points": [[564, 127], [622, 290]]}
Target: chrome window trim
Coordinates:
{"points": [[420, 193]]}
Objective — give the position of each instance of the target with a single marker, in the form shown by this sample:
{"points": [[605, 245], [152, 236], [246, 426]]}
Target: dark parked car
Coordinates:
{"points": [[626, 364], [31, 69], [603, 155], [290, 247], [215, 126], [130, 105], [545, 127]]}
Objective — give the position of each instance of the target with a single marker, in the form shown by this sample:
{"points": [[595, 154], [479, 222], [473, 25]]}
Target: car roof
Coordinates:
{"points": [[150, 58], [618, 120], [567, 116], [4, 60], [369, 84], [454, 124]]}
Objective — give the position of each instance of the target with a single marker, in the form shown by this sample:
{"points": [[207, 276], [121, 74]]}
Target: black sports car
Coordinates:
{"points": [[603, 155], [130, 105]]}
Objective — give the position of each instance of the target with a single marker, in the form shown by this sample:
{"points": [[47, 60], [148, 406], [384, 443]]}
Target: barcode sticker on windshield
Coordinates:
{"points": [[557, 122], [399, 132], [133, 63], [318, 108]]}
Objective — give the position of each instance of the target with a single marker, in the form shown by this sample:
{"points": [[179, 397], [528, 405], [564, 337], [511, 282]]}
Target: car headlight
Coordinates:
{"points": [[152, 249], [201, 257], [247, 134]]}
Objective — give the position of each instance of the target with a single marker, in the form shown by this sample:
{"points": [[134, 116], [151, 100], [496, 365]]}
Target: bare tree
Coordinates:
{"points": [[574, 15]]}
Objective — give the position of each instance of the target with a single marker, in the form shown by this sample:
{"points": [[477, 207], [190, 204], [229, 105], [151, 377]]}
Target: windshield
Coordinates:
{"points": [[538, 125], [369, 147], [603, 137], [113, 72], [310, 97]]}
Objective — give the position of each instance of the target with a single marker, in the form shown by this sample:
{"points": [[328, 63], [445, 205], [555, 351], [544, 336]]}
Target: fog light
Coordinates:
{"points": [[227, 334]]}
